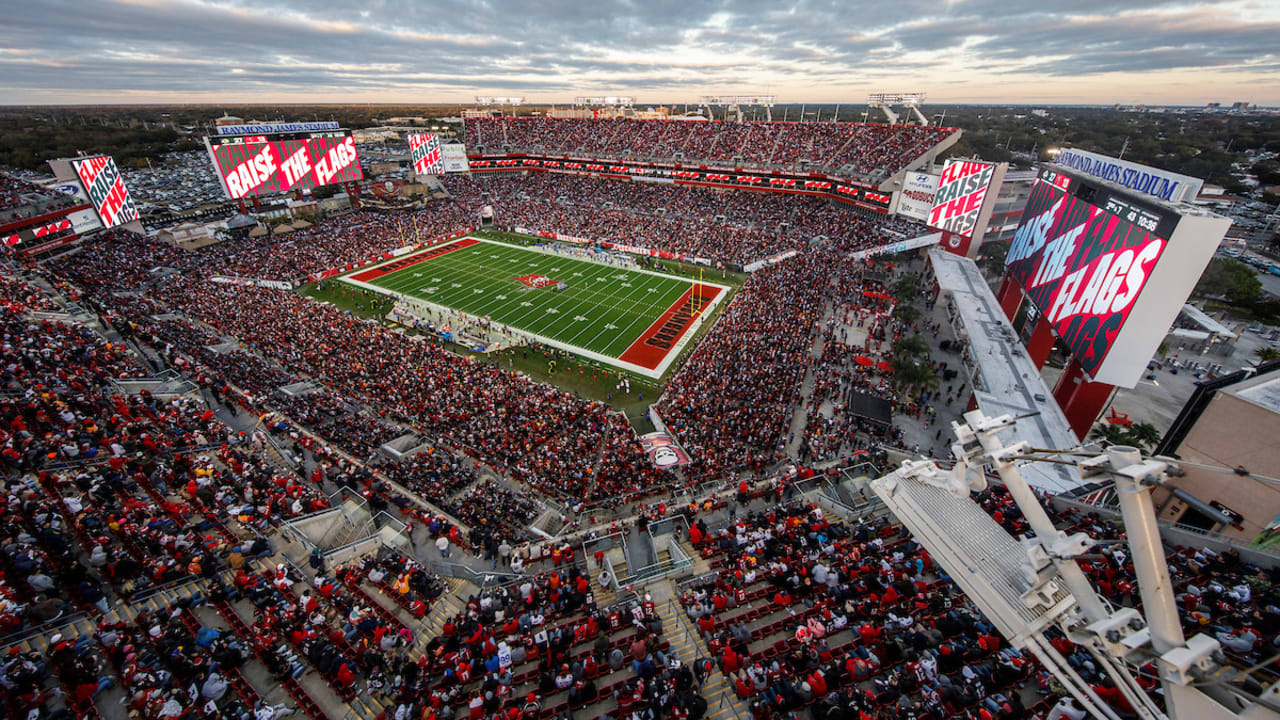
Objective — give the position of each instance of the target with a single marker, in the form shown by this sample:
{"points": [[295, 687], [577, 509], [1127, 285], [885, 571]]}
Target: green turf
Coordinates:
{"points": [[604, 309]]}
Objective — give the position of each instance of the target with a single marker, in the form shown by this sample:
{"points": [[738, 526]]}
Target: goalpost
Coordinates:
{"points": [[695, 297]]}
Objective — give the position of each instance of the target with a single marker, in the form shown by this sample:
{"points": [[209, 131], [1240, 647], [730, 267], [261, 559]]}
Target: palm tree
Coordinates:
{"points": [[1143, 434], [907, 314], [1267, 354], [913, 375], [1109, 434]]}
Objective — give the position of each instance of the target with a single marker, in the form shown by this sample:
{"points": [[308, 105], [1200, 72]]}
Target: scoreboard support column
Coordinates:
{"points": [[1081, 401], [1040, 342], [1010, 296]]}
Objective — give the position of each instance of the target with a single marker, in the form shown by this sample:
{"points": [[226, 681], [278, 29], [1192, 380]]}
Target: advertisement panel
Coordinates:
{"points": [[961, 192], [455, 158], [424, 149], [84, 221], [254, 165], [900, 246], [1168, 186], [1107, 269], [663, 450], [916, 199], [106, 189]]}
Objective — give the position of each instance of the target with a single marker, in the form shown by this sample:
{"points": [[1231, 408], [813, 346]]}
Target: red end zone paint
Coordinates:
{"points": [[656, 343], [411, 260]]}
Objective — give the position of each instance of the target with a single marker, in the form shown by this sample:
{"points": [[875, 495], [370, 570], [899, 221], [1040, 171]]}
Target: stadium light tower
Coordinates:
{"points": [[612, 105], [1025, 585], [733, 105], [886, 101], [506, 101]]}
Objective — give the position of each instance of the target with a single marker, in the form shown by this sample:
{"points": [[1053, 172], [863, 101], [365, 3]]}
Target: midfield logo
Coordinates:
{"points": [[535, 281]]}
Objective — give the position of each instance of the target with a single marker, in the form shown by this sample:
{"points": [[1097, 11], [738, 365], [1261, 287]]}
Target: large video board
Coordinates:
{"points": [[424, 149], [106, 189], [957, 203], [1108, 269], [256, 165]]}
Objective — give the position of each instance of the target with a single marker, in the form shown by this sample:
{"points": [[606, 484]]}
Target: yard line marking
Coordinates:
{"points": [[472, 279]]}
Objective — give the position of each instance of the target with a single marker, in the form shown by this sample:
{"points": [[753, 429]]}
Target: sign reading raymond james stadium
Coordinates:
{"points": [[1168, 186]]}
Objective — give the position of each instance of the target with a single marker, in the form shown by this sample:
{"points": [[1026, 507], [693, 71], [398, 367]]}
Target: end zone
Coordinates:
{"points": [[401, 263], [654, 348]]}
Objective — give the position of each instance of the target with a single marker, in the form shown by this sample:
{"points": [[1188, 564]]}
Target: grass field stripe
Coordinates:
{"points": [[573, 312], [485, 270], [675, 292], [626, 333], [588, 288], [634, 316], [483, 273], [593, 295]]}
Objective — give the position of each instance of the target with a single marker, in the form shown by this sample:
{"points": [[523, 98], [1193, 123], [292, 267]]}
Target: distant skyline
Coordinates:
{"points": [[660, 51]]}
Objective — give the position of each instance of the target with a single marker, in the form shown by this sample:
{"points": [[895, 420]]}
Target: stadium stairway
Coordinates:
{"points": [[688, 644], [446, 606]]}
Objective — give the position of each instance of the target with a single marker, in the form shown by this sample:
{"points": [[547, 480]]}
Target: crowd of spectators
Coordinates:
{"points": [[732, 401], [107, 496], [854, 148], [12, 190], [334, 242], [730, 227], [542, 647]]}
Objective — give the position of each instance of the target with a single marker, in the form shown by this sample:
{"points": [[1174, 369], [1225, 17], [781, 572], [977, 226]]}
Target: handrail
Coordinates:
{"points": [[280, 451], [452, 569], [1209, 534], [155, 590], [58, 623]]}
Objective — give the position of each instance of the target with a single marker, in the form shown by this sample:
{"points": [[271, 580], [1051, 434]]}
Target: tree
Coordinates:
{"points": [[914, 375], [1231, 279], [1268, 354], [1143, 434], [905, 289], [1108, 434], [991, 261], [907, 314], [911, 347]]}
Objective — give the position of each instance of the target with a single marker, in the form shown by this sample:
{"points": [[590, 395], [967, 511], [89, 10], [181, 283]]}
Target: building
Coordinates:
{"points": [[1228, 423], [1010, 201]]}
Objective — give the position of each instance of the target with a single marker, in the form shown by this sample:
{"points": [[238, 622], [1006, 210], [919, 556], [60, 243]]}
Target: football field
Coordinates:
{"points": [[621, 315]]}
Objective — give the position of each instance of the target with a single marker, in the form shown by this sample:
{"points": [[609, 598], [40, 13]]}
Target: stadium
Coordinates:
{"points": [[603, 425]]}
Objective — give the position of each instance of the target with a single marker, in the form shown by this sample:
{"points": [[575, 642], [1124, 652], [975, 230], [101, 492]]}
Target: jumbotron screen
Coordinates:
{"points": [[1084, 254], [106, 189], [256, 165], [424, 149]]}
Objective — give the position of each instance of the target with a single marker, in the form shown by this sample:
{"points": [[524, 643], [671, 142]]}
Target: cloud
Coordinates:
{"points": [[800, 50]]}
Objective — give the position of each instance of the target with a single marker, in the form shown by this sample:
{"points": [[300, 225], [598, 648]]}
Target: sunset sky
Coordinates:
{"points": [[660, 51]]}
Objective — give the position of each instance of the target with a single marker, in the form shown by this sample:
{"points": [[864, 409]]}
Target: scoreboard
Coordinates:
{"points": [[1107, 268], [106, 189], [424, 149], [257, 165]]}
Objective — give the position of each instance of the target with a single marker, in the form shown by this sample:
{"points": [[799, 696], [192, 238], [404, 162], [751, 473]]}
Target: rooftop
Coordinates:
{"points": [[1263, 391], [1005, 381]]}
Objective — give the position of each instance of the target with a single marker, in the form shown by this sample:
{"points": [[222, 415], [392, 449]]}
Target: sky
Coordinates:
{"points": [[659, 51]]}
